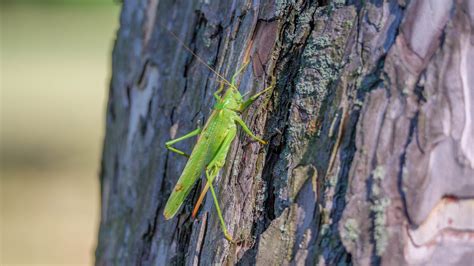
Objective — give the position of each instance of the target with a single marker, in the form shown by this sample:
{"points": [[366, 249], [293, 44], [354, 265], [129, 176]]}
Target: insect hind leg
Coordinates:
{"points": [[212, 170], [200, 199], [219, 212]]}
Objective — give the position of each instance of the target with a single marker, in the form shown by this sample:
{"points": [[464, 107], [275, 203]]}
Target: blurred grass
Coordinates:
{"points": [[60, 2], [54, 74]]}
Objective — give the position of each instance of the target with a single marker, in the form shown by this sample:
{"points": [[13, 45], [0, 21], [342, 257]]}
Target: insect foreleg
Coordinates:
{"points": [[221, 88], [248, 102], [239, 71], [187, 136], [247, 130]]}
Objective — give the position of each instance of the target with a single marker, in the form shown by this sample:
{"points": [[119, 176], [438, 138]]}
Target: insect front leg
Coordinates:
{"points": [[248, 102], [168, 144], [247, 130], [221, 88], [239, 71]]}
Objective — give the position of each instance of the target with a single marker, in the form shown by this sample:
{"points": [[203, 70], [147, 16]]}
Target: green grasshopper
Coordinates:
{"points": [[212, 146]]}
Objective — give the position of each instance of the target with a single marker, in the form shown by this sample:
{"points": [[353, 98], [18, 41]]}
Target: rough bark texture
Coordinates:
{"points": [[370, 127]]}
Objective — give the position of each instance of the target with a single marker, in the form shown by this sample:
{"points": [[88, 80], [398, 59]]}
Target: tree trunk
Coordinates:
{"points": [[370, 128]]}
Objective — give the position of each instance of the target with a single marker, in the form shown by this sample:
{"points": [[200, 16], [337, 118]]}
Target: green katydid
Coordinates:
{"points": [[212, 146]]}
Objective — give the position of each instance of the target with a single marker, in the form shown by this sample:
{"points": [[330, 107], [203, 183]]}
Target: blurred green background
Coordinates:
{"points": [[55, 70]]}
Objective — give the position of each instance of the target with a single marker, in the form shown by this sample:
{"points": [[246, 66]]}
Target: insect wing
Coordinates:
{"points": [[191, 173]]}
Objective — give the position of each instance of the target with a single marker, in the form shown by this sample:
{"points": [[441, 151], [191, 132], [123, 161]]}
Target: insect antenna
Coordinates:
{"points": [[194, 54]]}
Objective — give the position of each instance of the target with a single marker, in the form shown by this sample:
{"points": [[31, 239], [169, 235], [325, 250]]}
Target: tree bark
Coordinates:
{"points": [[370, 128]]}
